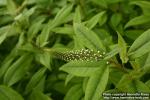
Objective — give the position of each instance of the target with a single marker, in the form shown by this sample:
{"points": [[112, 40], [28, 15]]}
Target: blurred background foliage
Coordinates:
{"points": [[32, 31]]}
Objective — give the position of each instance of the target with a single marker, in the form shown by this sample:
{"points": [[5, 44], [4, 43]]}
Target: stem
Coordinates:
{"points": [[117, 65]]}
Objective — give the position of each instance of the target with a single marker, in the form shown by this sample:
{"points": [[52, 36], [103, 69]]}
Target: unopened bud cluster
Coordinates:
{"points": [[84, 55]]}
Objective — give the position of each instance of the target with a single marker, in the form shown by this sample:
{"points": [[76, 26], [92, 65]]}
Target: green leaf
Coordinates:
{"points": [[17, 70], [145, 5], [138, 21], [41, 84], [68, 78], [35, 80], [104, 36], [22, 19], [74, 93], [113, 1], [148, 83], [112, 53], [35, 28], [5, 19], [95, 19], [88, 37], [2, 37], [141, 87], [139, 62], [115, 76], [5, 65], [82, 68], [103, 19], [124, 82], [60, 87], [38, 95], [97, 83], [68, 19], [61, 15], [135, 86], [43, 37], [130, 83], [31, 2], [42, 40], [77, 16], [122, 49], [6, 93], [3, 10], [7, 62], [115, 20], [25, 14], [84, 84], [44, 59], [11, 6], [140, 46], [77, 43], [3, 2], [101, 3], [64, 30], [28, 47], [133, 34], [146, 65]]}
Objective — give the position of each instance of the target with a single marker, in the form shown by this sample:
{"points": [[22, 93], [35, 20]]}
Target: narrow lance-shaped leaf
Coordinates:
{"points": [[88, 37], [17, 70], [140, 46], [146, 66], [122, 49], [43, 37], [68, 78], [148, 83], [61, 15], [133, 34], [38, 95], [5, 66], [7, 62], [101, 3], [129, 82], [11, 6], [22, 19], [95, 19], [3, 2], [41, 84], [102, 19], [33, 30], [84, 84], [124, 81], [2, 37], [115, 76], [7, 93], [36, 78], [141, 87], [77, 16], [97, 83], [64, 30], [42, 40], [115, 20], [44, 59], [82, 68], [112, 53], [74, 93], [138, 21], [132, 85], [145, 5]]}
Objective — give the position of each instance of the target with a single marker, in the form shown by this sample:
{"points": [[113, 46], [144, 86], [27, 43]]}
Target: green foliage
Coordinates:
{"points": [[8, 93], [73, 49]]}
